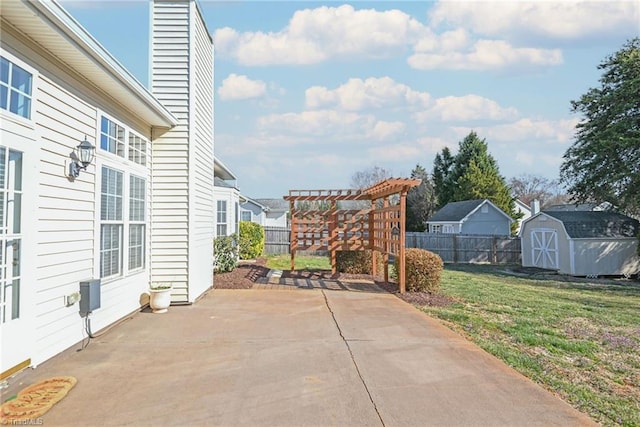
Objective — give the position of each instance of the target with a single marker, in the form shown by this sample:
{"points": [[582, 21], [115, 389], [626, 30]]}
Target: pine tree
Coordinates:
{"points": [[421, 200], [442, 177]]}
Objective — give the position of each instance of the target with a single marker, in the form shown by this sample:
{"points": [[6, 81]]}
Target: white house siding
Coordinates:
{"points": [[605, 257], [66, 247], [232, 197], [170, 173], [202, 205], [182, 174]]}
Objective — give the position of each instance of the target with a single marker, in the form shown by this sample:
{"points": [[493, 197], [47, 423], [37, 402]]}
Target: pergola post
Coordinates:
{"points": [[333, 238], [401, 250], [294, 234], [374, 253]]}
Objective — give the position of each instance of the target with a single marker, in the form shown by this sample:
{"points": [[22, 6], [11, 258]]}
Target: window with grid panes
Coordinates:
{"points": [[15, 88], [111, 222], [221, 226], [137, 211], [112, 137], [137, 149]]}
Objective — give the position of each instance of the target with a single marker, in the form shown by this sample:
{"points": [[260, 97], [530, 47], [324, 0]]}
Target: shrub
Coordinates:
{"points": [[251, 240], [357, 262], [422, 270], [225, 253]]}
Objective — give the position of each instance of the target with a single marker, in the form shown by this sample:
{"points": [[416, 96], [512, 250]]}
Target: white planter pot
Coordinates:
{"points": [[160, 300]]}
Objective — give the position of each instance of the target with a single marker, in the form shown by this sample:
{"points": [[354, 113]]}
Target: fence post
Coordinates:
{"points": [[454, 241], [494, 250]]}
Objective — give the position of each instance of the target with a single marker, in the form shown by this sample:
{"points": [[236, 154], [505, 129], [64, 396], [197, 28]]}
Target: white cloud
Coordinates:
{"points": [[315, 35], [241, 87], [527, 130], [384, 130], [559, 20], [357, 94], [465, 108], [483, 55]]}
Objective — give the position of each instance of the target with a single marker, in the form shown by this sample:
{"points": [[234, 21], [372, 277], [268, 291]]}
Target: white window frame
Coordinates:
{"points": [[128, 169], [7, 117], [137, 222], [220, 223], [447, 229], [132, 147], [435, 228], [243, 212], [14, 90]]}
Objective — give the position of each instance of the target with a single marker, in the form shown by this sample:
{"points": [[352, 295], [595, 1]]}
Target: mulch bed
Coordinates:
{"points": [[248, 273]]}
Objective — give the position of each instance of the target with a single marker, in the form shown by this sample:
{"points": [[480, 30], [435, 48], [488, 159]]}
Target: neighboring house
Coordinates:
{"points": [[581, 243], [252, 210], [120, 221], [470, 217], [277, 213], [526, 211], [227, 196]]}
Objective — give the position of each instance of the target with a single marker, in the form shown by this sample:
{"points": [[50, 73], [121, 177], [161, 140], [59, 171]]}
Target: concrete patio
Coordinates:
{"points": [[298, 357]]}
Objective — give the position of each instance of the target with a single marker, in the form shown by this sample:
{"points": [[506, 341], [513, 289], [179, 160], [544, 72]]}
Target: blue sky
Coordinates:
{"points": [[308, 93]]}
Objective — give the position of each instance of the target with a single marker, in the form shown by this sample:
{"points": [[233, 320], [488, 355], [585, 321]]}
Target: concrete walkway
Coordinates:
{"points": [[293, 358]]}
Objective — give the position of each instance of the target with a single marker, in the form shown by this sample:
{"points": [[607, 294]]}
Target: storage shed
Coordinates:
{"points": [[581, 243]]}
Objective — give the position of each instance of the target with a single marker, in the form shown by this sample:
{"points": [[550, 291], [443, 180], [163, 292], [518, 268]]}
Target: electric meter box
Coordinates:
{"points": [[89, 295]]}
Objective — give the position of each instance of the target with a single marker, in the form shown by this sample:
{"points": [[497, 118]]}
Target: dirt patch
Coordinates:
{"points": [[243, 276], [249, 272]]}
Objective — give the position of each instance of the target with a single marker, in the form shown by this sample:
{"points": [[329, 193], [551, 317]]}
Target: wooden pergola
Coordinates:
{"points": [[379, 227]]}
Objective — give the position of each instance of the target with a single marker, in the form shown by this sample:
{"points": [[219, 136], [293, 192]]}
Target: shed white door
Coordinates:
{"points": [[544, 248]]}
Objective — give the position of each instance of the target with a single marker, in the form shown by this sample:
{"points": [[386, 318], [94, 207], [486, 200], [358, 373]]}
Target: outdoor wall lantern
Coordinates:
{"points": [[83, 154]]}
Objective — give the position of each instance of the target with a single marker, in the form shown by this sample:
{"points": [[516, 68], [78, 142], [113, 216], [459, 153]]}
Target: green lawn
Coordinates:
{"points": [[579, 340], [283, 262]]}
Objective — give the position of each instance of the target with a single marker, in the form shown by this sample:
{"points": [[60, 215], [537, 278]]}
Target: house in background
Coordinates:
{"points": [[252, 210], [479, 216], [581, 243], [268, 212], [227, 197], [526, 211], [140, 211]]}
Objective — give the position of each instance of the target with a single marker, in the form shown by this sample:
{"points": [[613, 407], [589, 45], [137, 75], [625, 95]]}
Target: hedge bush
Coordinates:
{"points": [[422, 270], [251, 240], [225, 253], [357, 262]]}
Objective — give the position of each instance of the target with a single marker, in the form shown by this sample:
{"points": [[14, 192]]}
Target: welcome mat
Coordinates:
{"points": [[35, 400]]}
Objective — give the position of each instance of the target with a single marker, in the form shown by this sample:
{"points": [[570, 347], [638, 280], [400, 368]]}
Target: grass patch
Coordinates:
{"points": [[579, 340], [283, 262]]}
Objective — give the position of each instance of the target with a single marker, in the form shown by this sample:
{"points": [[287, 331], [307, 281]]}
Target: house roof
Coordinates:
{"points": [[221, 170], [458, 211], [280, 205], [595, 224], [570, 207], [50, 26], [218, 182], [256, 203]]}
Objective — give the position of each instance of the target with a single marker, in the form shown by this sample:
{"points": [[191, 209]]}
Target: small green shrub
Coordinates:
{"points": [[422, 270], [357, 262], [251, 240], [225, 253]]}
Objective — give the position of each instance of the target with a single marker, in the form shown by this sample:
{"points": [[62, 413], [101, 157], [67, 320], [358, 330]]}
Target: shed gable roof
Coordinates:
{"points": [[594, 224]]}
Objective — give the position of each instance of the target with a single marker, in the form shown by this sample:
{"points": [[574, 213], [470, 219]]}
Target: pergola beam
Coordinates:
{"points": [[345, 229]]}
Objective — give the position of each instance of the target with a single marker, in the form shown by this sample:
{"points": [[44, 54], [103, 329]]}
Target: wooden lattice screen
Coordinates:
{"points": [[379, 227]]}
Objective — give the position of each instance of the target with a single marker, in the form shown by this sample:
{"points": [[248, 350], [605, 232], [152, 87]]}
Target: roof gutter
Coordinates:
{"points": [[70, 28]]}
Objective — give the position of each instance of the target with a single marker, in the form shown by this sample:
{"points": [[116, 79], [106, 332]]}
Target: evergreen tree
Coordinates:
{"points": [[421, 200], [603, 164], [472, 174], [442, 177]]}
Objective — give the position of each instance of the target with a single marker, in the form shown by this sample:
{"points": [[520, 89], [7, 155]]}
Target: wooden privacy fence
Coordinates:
{"points": [[276, 240], [468, 248]]}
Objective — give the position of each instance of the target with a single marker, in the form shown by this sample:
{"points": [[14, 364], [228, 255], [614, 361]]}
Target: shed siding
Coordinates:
{"points": [[606, 257], [202, 205], [170, 173]]}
